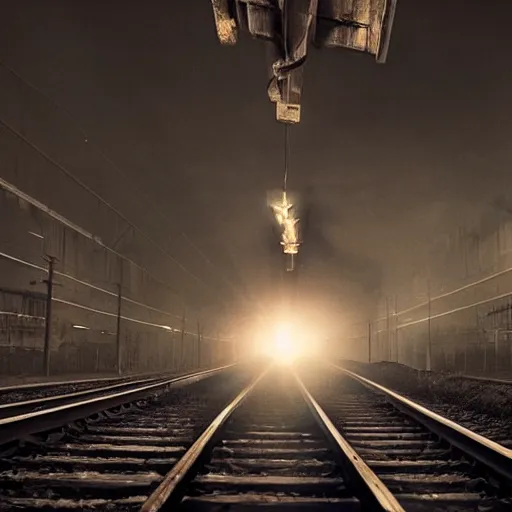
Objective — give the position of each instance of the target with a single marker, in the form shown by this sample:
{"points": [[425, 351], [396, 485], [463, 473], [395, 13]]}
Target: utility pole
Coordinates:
{"points": [[396, 328], [48, 317], [198, 344], [182, 340], [429, 341], [118, 330], [215, 350], [388, 334], [173, 349], [369, 341]]}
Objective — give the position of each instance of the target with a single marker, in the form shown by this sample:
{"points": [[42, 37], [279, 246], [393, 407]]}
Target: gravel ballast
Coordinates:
{"points": [[484, 407]]}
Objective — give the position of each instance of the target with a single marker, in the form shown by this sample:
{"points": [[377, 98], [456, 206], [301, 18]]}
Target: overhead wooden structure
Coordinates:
{"points": [[293, 25]]}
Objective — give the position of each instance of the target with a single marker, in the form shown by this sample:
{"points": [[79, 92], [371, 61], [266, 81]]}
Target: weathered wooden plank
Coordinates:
{"points": [[260, 502]]}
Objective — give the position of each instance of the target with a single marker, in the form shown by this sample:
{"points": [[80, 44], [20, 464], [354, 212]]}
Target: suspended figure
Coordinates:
{"points": [[285, 216], [292, 26]]}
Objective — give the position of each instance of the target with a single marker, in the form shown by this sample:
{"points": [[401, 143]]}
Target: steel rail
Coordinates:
{"points": [[171, 489], [492, 380], [56, 383], [371, 491], [16, 427], [369, 487], [479, 448], [25, 406]]}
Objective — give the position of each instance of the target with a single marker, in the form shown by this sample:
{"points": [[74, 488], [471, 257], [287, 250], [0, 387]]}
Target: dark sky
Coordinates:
{"points": [[389, 156]]}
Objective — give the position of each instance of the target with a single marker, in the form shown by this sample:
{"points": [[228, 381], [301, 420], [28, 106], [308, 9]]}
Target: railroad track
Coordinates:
{"points": [[24, 406], [492, 380], [266, 451], [36, 390], [427, 461], [272, 446], [111, 458], [60, 410]]}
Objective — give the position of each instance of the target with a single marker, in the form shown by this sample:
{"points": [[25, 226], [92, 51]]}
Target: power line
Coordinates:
{"points": [[105, 313], [77, 229], [117, 169], [460, 289], [85, 283], [95, 310], [455, 310], [99, 311], [21, 315], [451, 292], [100, 199], [129, 319]]}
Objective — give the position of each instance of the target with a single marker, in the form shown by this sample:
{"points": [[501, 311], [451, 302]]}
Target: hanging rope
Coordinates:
{"points": [[285, 180]]}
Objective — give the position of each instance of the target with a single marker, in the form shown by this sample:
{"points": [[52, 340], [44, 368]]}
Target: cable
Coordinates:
{"points": [[105, 313], [100, 199], [77, 229], [21, 315], [85, 283], [118, 170], [455, 310], [451, 292], [94, 310], [129, 319], [285, 180]]}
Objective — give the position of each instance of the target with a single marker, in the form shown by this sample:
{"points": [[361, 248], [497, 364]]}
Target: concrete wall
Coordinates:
{"points": [[470, 330], [28, 236]]}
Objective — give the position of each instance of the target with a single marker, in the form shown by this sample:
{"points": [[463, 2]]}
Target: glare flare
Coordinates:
{"points": [[284, 347]]}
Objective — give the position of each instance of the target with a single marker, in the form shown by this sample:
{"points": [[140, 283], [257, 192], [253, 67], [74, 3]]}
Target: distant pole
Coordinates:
{"points": [[429, 341], [118, 330], [369, 341], [182, 340], [198, 344], [48, 316], [396, 328], [214, 355], [173, 349], [388, 334], [496, 350]]}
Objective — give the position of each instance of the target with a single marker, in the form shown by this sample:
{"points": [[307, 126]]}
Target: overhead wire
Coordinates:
{"points": [[95, 310], [87, 284], [114, 166], [103, 201], [77, 229], [97, 288]]}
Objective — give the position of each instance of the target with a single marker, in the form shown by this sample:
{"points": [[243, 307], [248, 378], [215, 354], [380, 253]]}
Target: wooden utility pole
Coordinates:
{"points": [[429, 341], [118, 330], [198, 344], [173, 349], [388, 334], [182, 341], [396, 328], [215, 350], [370, 341], [48, 317]]}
